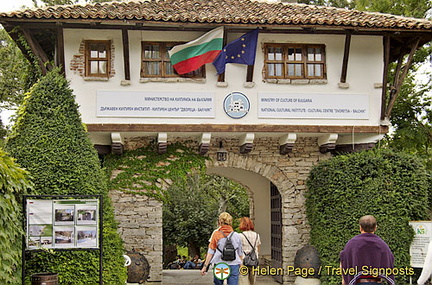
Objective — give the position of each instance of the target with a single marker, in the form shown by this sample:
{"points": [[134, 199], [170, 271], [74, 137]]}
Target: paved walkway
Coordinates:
{"points": [[176, 277]]}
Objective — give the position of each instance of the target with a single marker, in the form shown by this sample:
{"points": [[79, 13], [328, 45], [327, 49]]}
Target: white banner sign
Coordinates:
{"points": [[419, 245], [155, 104], [314, 106]]}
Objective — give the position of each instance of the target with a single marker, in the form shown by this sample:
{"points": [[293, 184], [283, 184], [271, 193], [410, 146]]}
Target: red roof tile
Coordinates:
{"points": [[223, 12]]}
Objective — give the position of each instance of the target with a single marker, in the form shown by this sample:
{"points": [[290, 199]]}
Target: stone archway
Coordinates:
{"points": [[262, 180], [140, 217]]}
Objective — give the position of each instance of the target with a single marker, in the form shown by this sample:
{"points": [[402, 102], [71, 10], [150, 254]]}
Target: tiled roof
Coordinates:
{"points": [[223, 12]]}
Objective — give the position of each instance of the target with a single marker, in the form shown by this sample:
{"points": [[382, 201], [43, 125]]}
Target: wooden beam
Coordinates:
{"points": [[126, 59], [385, 76], [345, 58], [221, 128], [400, 78], [37, 50], [60, 52], [398, 70], [16, 37]]}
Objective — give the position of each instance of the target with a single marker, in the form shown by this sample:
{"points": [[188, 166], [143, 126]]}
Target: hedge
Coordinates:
{"points": [[50, 141], [391, 186], [14, 182]]}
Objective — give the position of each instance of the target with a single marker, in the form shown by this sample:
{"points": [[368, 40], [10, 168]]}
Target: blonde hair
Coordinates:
{"points": [[225, 219]]}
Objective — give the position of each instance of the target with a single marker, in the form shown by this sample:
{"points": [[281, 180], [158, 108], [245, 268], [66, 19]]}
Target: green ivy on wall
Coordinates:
{"points": [[145, 172]]}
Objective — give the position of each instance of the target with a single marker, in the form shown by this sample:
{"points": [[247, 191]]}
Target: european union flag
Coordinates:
{"points": [[241, 50]]}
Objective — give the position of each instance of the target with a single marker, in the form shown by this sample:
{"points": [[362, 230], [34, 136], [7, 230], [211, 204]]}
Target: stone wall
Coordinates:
{"points": [[140, 226], [140, 217]]}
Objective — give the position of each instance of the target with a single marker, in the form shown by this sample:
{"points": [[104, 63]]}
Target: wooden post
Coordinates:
{"points": [[60, 56], [38, 52], [385, 76], [345, 58], [401, 77], [126, 60]]}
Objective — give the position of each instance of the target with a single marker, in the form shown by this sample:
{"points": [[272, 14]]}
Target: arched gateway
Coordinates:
{"points": [[314, 81], [276, 187]]}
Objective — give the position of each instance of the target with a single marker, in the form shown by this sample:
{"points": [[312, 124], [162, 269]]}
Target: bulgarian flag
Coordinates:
{"points": [[192, 55]]}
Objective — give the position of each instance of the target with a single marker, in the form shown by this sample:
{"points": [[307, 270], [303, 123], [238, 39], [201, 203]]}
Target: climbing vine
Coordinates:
{"points": [[145, 172]]}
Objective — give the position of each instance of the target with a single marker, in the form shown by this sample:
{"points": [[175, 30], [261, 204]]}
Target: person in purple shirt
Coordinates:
{"points": [[366, 256]]}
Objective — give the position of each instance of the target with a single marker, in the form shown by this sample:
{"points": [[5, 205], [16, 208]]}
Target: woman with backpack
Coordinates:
{"points": [[250, 243], [225, 247]]}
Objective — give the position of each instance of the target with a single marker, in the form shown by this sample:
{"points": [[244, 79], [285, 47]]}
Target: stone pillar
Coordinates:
{"points": [[140, 226]]}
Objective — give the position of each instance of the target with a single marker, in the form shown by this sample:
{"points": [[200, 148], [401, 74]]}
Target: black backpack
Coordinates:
{"points": [[228, 251]]}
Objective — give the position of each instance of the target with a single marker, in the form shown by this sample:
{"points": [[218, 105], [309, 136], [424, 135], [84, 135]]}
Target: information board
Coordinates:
{"points": [[419, 246], [313, 106], [65, 223]]}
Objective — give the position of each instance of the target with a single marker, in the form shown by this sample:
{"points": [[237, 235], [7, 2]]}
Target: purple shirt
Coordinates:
{"points": [[365, 252]]}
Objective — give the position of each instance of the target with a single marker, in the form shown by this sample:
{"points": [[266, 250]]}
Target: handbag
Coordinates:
{"points": [[251, 258]]}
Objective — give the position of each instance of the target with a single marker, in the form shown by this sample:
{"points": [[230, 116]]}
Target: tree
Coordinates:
{"points": [[407, 8], [230, 196], [411, 116], [189, 217], [14, 182], [412, 120], [50, 141], [193, 204], [16, 75]]}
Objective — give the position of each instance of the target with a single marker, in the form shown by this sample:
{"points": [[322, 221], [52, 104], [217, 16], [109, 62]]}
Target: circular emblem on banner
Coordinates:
{"points": [[236, 105]]}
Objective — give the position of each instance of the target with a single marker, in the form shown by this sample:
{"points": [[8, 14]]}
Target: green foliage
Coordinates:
{"points": [[145, 172], [193, 204], [49, 140], [15, 72], [407, 8], [412, 118], [331, 3], [16, 75], [13, 184], [391, 186], [178, 179], [189, 215]]}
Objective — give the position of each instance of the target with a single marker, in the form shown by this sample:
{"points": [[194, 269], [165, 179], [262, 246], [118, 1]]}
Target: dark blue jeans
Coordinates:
{"points": [[233, 279]]}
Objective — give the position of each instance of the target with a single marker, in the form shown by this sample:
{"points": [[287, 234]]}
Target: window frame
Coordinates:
{"points": [[285, 61], [89, 59], [164, 59]]}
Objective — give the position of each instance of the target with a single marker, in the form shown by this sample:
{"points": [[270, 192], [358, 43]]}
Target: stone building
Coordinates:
{"points": [[318, 85]]}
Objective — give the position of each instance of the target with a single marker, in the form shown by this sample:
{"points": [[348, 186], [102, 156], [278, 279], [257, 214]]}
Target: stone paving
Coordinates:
{"points": [[176, 277]]}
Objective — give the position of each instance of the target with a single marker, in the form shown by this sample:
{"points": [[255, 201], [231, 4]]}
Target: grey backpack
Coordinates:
{"points": [[251, 259]]}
